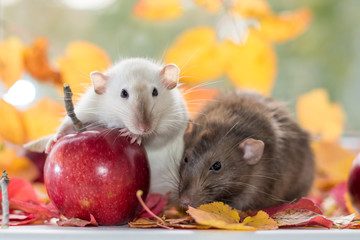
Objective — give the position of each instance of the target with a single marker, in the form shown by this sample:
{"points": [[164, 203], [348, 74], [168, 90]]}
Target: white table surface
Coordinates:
{"points": [[50, 232]]}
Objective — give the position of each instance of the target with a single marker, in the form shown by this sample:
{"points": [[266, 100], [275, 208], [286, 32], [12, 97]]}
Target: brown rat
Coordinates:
{"points": [[247, 151]]}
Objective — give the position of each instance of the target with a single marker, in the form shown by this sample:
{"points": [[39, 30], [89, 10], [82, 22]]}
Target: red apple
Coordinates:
{"points": [[97, 172], [354, 183]]}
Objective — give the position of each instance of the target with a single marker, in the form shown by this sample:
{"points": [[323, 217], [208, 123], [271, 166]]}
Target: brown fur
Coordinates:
{"points": [[284, 173]]}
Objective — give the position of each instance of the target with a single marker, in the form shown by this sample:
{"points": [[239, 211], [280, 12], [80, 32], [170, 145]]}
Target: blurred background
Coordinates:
{"points": [[326, 55]]}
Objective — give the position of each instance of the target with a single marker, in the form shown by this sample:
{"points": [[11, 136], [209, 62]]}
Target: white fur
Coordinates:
{"points": [[164, 143]]}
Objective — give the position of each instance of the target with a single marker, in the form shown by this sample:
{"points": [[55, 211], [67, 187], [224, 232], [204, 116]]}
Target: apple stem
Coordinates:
{"points": [[5, 200], [139, 193], [69, 106]]}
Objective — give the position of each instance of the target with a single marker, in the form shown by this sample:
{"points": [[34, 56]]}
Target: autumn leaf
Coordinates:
{"points": [[11, 60], [22, 190], [198, 55], [77, 222], [43, 118], [320, 117], [261, 221], [80, 59], [36, 62], [156, 203], [250, 8], [17, 166], [218, 215], [251, 66], [11, 125], [285, 26], [158, 10], [333, 163], [197, 97], [20, 218], [212, 6]]}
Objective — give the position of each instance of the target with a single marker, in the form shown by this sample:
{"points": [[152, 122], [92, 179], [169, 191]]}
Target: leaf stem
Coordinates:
{"points": [[139, 193], [5, 200], [69, 106]]}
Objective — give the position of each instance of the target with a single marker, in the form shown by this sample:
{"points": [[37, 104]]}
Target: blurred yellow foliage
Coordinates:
{"points": [[250, 8], [43, 118], [11, 124], [201, 57], [17, 166], [212, 6], [333, 163], [285, 26], [11, 60], [319, 116], [37, 64], [79, 60], [158, 9]]}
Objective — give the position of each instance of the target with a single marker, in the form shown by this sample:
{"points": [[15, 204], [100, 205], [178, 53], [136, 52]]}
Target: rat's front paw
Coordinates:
{"points": [[51, 142], [133, 137]]}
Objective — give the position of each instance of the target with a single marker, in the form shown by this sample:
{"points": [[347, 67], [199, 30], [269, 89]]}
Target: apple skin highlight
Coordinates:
{"points": [[97, 172]]}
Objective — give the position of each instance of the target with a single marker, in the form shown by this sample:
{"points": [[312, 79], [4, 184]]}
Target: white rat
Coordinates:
{"points": [[141, 97]]}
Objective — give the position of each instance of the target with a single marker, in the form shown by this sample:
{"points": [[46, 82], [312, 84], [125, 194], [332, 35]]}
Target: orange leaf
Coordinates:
{"points": [[36, 62], [332, 163], [11, 60], [43, 118], [319, 116], [198, 55], [17, 166], [251, 66], [80, 59], [212, 6], [197, 97], [285, 26], [218, 215], [251, 8], [158, 10], [11, 124]]}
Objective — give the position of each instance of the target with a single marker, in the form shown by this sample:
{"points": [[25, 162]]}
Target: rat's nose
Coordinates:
{"points": [[185, 202], [144, 127]]}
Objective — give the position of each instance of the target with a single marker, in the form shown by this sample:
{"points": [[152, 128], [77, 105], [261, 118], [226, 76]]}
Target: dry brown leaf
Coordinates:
{"points": [[11, 60], [43, 118], [320, 117], [37, 64]]}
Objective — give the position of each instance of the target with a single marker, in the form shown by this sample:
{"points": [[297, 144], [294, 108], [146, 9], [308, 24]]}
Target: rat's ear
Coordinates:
{"points": [[170, 75], [99, 81], [253, 150]]}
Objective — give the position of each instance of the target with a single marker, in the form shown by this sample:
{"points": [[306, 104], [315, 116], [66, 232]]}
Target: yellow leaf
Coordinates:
{"points": [[11, 60], [197, 97], [320, 117], [158, 10], [17, 166], [251, 8], [43, 118], [332, 163], [285, 26], [212, 6], [11, 124], [261, 221], [198, 55], [218, 215], [252, 66], [80, 59], [36, 62]]}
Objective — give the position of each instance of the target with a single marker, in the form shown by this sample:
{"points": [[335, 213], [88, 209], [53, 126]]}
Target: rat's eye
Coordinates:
{"points": [[155, 92], [216, 166], [124, 94], [185, 160]]}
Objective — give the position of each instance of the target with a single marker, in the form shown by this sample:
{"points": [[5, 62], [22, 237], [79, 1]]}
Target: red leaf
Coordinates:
{"points": [[338, 193], [303, 203], [156, 203], [77, 222], [22, 190], [19, 218], [38, 210]]}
